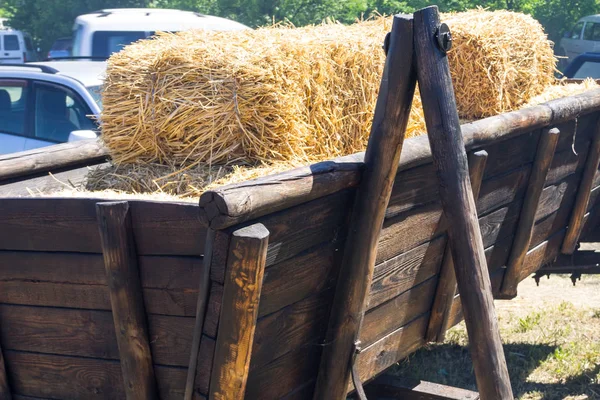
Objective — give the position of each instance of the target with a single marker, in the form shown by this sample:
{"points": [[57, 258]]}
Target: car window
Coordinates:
{"points": [[28, 43], [11, 42], [58, 112], [96, 92], [13, 99], [588, 69], [576, 32], [104, 43]]}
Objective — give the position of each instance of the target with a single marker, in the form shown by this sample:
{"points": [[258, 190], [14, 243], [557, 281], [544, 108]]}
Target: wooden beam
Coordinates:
{"points": [[5, 392], [393, 387], [129, 315], [444, 295], [583, 195], [203, 293], [241, 294], [450, 161], [381, 164], [539, 171]]}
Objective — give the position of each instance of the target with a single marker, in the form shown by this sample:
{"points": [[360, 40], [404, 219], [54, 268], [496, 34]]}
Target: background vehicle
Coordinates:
{"points": [[586, 65], [61, 48], [104, 32], [16, 47], [47, 103]]}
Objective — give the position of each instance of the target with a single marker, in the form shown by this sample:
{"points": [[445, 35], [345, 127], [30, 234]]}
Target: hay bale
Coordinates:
{"points": [[306, 94], [563, 90]]}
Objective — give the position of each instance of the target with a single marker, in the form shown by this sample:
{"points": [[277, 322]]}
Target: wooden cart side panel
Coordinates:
{"points": [[69, 225]]}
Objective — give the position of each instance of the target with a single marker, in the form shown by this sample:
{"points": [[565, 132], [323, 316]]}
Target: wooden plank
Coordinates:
{"points": [[395, 313], [83, 152], [306, 274], [450, 159], [447, 280], [241, 294], [5, 392], [389, 386], [375, 188], [502, 190], [284, 375], [583, 195], [297, 325], [51, 224], [566, 163], [388, 350], [204, 365], [201, 311], [399, 274], [541, 165], [45, 376], [120, 261], [295, 230], [213, 310]]}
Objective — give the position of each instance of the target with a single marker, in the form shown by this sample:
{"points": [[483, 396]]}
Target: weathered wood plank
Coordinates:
{"points": [[129, 314], [297, 325], [204, 365], [502, 189], [524, 231], [21, 164], [44, 375], [583, 195], [241, 294], [395, 313], [464, 235], [213, 310], [68, 224], [447, 280], [300, 228], [381, 160], [399, 274]]}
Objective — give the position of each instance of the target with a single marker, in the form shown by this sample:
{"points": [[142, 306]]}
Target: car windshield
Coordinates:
{"points": [[96, 92], [61, 44], [104, 43]]}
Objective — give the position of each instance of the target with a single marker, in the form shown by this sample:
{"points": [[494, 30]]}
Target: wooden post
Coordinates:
{"points": [[444, 295], [450, 161], [122, 274], [520, 246], [583, 195], [241, 294], [203, 293], [5, 393], [381, 163]]}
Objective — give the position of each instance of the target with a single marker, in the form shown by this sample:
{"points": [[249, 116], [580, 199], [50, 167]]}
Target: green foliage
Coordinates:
{"points": [[49, 19]]}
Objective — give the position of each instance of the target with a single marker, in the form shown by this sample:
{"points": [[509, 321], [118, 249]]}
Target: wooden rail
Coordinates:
{"points": [[444, 295], [120, 261], [244, 277], [381, 160], [464, 235], [541, 166]]}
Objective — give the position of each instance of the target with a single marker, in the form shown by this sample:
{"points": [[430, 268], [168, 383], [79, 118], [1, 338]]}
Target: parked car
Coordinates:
{"points": [[48, 102], [586, 65], [104, 32], [61, 48], [16, 47]]}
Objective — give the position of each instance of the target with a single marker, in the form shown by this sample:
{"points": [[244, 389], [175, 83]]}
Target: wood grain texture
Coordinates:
{"points": [[44, 376], [241, 294], [68, 225], [447, 281], [583, 195], [523, 234], [373, 195], [120, 261], [449, 157], [80, 153]]}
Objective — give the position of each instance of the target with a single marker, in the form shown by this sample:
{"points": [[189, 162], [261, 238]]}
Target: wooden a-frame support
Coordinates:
{"points": [[417, 51]]}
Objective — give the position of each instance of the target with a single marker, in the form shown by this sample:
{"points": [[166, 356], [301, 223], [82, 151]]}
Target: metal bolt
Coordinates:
{"points": [[386, 43], [444, 38]]}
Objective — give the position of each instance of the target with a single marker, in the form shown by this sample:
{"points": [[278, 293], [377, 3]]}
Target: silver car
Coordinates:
{"points": [[583, 38]]}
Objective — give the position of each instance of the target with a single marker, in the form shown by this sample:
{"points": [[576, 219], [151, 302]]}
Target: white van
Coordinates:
{"points": [[16, 47], [104, 32]]}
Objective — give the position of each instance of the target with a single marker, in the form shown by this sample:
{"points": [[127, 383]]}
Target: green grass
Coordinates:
{"points": [[552, 353]]}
